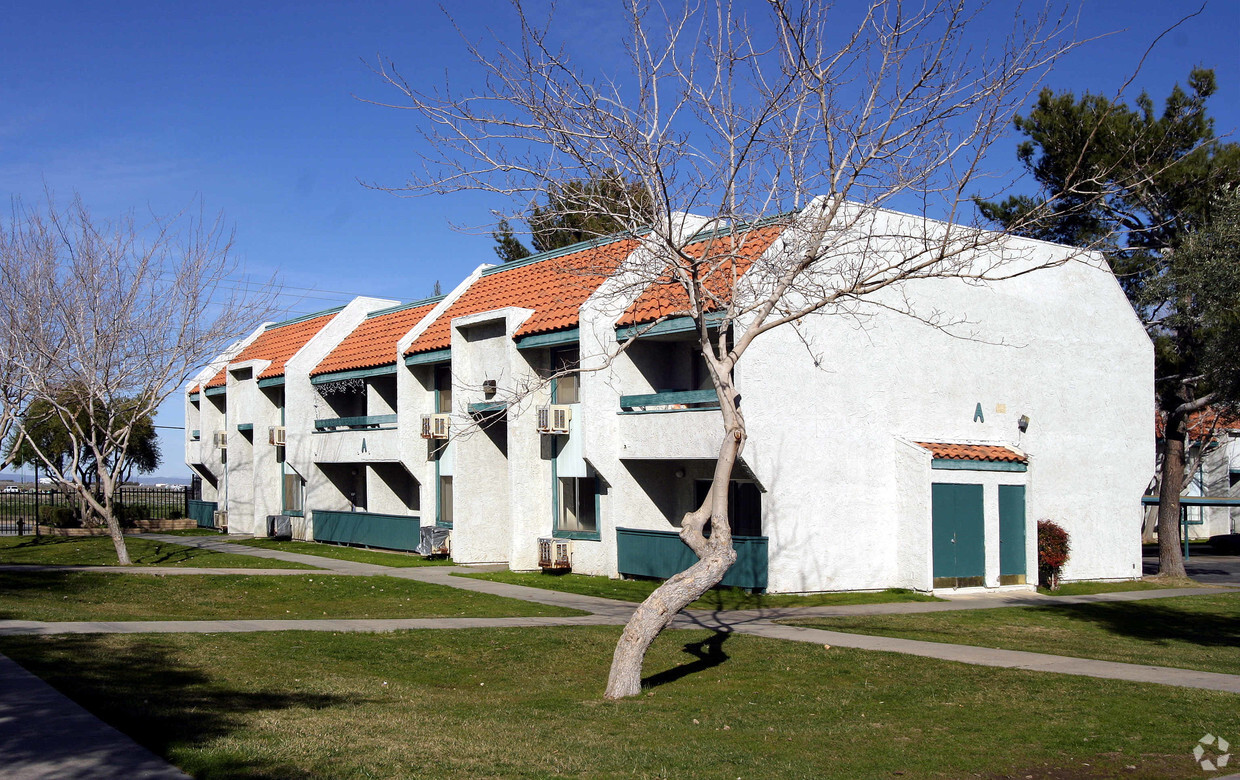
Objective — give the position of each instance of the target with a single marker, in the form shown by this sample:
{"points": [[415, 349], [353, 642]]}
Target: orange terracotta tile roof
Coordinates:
{"points": [[373, 342], [1203, 425], [991, 452], [218, 380], [668, 298], [554, 287], [277, 344]]}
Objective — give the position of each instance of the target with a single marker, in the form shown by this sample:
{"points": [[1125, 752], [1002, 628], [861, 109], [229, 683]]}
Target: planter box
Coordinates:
{"points": [[140, 527]]}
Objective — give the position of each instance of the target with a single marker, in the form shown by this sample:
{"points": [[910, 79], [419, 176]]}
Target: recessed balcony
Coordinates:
{"points": [[368, 423], [669, 401]]}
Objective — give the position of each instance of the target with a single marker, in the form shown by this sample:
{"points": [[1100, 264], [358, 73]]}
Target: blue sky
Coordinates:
{"points": [[251, 107]]}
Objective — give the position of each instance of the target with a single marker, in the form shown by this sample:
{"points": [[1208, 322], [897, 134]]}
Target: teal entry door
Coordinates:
{"points": [[957, 515], [1012, 535]]}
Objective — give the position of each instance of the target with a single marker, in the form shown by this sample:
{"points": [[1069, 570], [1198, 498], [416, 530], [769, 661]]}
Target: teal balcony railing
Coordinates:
{"points": [[669, 401], [391, 532], [661, 554], [355, 423]]}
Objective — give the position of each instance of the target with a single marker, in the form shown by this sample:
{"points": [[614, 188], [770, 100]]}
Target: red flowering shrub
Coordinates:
{"points": [[1053, 549]]}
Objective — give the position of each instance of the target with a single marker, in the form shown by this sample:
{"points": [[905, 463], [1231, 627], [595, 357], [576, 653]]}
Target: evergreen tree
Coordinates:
{"points": [[577, 211], [1155, 192]]}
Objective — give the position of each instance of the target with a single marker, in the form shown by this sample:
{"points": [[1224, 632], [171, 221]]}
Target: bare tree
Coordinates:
{"points": [[102, 320], [813, 120]]}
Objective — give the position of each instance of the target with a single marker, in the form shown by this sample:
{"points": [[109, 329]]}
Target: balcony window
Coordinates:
{"points": [[577, 505], [443, 389], [566, 389], [294, 494], [445, 501]]}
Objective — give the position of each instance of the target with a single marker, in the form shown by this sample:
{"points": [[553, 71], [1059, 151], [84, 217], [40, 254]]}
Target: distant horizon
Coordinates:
{"points": [[144, 479]]}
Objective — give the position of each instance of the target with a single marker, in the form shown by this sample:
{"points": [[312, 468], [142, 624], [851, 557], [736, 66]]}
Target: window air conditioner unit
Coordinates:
{"points": [[221, 439], [555, 554], [554, 418], [275, 435], [220, 519], [435, 426]]}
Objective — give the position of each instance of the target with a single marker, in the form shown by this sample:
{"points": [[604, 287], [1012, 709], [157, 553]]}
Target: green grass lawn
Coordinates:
{"points": [[98, 551], [1089, 587], [527, 703], [1190, 632], [719, 598], [58, 596], [339, 552]]}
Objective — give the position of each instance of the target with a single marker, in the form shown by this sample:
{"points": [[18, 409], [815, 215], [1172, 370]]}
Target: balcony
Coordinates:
{"points": [[669, 401], [670, 424], [391, 532], [644, 553], [374, 422]]}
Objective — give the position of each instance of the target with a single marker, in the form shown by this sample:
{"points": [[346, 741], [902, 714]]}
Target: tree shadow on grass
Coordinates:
{"points": [[709, 654], [167, 706], [1158, 623]]}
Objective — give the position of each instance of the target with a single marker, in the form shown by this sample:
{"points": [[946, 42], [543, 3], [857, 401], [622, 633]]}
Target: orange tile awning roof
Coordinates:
{"points": [[277, 344], [668, 298], [373, 343], [988, 452], [554, 287], [1203, 425]]}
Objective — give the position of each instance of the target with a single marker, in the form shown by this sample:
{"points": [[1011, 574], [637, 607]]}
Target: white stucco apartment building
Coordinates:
{"points": [[883, 452]]}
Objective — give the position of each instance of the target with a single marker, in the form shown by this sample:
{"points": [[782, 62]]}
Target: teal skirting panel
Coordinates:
{"points": [[391, 532], [203, 512], [661, 554]]}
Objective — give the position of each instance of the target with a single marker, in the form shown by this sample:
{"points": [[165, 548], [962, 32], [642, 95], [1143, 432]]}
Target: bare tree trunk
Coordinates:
{"points": [[716, 555], [656, 612], [1170, 558]]}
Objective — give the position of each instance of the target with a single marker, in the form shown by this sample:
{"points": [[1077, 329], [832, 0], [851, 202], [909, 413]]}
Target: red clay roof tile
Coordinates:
{"points": [[990, 452], [277, 344], [554, 288], [373, 342], [668, 298]]}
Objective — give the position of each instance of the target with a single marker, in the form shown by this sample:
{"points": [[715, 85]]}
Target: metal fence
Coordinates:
{"points": [[22, 508]]}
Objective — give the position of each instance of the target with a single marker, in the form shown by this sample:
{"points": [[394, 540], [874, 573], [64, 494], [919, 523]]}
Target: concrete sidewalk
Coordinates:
{"points": [[46, 736]]}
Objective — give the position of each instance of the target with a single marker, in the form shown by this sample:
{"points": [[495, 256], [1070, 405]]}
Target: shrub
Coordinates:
{"points": [[1053, 550], [59, 516], [174, 514], [128, 516]]}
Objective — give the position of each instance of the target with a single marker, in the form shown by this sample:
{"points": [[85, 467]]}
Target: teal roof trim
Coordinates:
{"points": [[670, 325], [404, 306], [302, 318], [272, 381], [357, 373], [552, 339], [580, 246], [434, 356]]}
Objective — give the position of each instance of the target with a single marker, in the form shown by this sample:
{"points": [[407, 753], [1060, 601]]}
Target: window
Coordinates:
{"points": [[445, 501], [744, 506], [577, 507], [443, 389], [294, 488], [566, 386]]}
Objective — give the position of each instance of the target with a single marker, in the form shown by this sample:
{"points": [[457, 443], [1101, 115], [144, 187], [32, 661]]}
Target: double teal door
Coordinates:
{"points": [[958, 517]]}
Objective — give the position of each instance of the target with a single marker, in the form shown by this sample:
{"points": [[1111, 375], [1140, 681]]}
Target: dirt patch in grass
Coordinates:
{"points": [[527, 703]]}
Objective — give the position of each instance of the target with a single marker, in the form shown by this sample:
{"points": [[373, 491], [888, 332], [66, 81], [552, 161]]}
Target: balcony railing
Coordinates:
{"points": [[669, 401], [370, 422]]}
